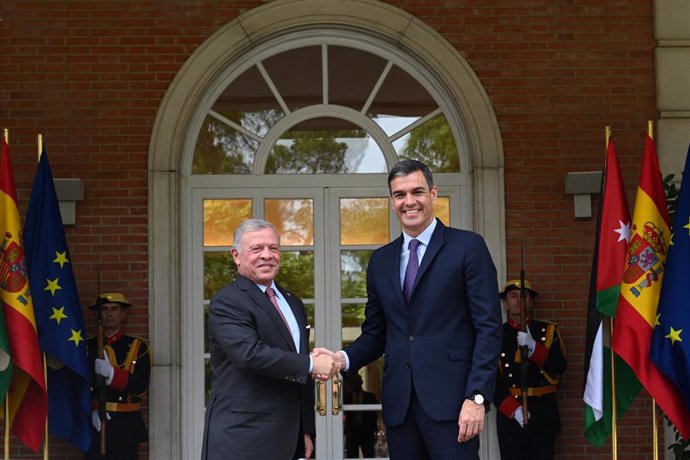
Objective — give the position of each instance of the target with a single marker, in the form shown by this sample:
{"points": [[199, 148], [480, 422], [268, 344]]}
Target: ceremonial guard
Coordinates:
{"points": [[118, 382], [530, 435]]}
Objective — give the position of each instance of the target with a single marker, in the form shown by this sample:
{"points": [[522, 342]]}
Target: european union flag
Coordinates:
{"points": [[670, 349], [59, 318]]}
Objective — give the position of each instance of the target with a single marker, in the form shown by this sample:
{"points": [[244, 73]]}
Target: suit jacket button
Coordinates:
{"points": [[412, 338]]}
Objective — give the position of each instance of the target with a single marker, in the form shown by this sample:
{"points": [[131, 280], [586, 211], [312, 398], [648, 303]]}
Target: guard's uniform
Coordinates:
{"points": [[536, 441], [125, 429]]}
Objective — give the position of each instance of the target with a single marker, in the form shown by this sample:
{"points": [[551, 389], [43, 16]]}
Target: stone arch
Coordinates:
{"points": [[170, 139]]}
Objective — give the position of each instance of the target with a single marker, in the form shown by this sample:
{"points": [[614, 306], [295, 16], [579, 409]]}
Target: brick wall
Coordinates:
{"points": [[91, 75]]}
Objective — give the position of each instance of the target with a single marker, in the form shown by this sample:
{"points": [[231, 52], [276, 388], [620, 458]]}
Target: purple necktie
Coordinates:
{"points": [[411, 271], [272, 296]]}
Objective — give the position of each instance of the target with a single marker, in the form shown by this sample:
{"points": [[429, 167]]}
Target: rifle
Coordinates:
{"points": [[100, 380], [524, 351]]}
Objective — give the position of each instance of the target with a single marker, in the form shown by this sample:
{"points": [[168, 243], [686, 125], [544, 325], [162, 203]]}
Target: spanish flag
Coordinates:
{"points": [[636, 317], [27, 400]]}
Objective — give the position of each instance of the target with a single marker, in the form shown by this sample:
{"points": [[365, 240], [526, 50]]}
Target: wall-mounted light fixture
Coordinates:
{"points": [[582, 185], [69, 191]]}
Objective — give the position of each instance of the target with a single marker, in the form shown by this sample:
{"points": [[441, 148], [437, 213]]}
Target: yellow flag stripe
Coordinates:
{"points": [[643, 293], [21, 299]]}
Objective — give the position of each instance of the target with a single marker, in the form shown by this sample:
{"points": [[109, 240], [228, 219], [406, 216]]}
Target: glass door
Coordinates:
{"points": [[359, 220]]}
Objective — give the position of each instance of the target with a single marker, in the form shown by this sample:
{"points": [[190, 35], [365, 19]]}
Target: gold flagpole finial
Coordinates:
{"points": [[6, 135], [40, 145], [608, 134]]}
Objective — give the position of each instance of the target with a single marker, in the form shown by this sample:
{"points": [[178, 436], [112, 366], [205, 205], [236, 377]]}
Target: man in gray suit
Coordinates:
{"points": [[261, 403]]}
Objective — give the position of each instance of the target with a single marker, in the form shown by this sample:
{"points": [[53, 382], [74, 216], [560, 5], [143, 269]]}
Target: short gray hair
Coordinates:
{"points": [[250, 225]]}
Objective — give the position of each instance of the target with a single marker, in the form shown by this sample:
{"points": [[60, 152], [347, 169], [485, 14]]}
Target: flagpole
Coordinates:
{"points": [[7, 428], [655, 430], [6, 134], [612, 358], [45, 368]]}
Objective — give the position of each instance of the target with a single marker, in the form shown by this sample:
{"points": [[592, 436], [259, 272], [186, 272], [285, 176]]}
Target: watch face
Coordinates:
{"points": [[479, 399]]}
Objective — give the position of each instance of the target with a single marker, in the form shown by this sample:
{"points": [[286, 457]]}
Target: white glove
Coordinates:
{"points": [[525, 339], [96, 419], [519, 416], [104, 368]]}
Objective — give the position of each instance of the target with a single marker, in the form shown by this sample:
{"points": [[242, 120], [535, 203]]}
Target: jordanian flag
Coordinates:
{"points": [[640, 289], [613, 235]]}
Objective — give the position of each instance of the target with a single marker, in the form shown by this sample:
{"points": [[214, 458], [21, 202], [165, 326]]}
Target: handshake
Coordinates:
{"points": [[326, 364]]}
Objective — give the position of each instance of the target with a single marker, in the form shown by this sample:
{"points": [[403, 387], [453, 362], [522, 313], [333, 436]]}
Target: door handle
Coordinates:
{"points": [[321, 397], [336, 394]]}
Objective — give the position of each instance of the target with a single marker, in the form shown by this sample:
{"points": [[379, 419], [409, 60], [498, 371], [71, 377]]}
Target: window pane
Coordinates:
{"points": [[431, 143], [325, 146], [363, 430], [371, 378], [364, 221], [294, 220], [219, 270], [222, 217], [297, 76], [349, 65], [221, 149], [401, 95], [297, 273], [392, 124], [352, 319], [249, 102], [353, 275], [442, 209]]}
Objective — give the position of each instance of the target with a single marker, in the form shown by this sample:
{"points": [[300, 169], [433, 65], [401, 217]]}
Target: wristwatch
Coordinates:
{"points": [[477, 399]]}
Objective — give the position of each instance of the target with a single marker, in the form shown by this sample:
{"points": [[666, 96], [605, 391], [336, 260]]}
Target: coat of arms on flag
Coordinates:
{"points": [[644, 258]]}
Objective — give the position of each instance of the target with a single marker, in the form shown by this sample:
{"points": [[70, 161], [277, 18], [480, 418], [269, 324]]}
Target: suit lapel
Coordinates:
{"points": [[395, 247], [435, 244], [264, 303]]}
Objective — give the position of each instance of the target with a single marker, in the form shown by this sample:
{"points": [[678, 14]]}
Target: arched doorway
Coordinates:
{"points": [[304, 121]]}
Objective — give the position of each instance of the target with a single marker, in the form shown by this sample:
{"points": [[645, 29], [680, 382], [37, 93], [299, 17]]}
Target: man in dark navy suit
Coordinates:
{"points": [[441, 337]]}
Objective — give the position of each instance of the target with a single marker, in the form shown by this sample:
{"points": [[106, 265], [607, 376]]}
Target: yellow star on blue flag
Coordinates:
{"points": [[669, 352], [59, 328], [674, 335], [58, 314], [76, 337], [61, 258], [52, 285]]}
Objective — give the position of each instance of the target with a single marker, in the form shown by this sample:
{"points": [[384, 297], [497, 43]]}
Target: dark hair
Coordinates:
{"points": [[405, 167]]}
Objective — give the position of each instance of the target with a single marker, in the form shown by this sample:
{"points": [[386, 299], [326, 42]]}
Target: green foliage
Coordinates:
{"points": [[681, 446], [315, 153], [219, 270], [353, 275], [432, 143], [222, 149], [671, 196], [297, 273]]}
